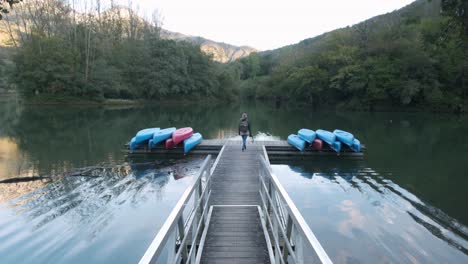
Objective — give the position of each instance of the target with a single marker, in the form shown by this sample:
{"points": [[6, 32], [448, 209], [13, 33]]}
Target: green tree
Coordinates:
{"points": [[109, 55], [458, 11]]}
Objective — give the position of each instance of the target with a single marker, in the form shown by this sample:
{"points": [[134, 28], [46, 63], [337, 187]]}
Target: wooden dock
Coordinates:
{"points": [[236, 211], [235, 233], [276, 149]]}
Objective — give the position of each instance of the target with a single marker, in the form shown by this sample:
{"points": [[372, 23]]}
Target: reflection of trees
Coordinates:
{"points": [[10, 191], [85, 213], [81, 199], [423, 152], [59, 139], [56, 139], [10, 112]]}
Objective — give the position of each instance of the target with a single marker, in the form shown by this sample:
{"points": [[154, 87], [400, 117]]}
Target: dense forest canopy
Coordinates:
{"points": [[106, 54], [413, 57]]}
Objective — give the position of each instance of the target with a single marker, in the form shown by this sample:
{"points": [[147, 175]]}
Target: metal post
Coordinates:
{"points": [[270, 193], [199, 193], [289, 226], [171, 248], [181, 236], [194, 223], [289, 229], [276, 225], [299, 249]]}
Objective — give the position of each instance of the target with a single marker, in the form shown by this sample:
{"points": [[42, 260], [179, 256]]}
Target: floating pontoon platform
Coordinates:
{"points": [[275, 148]]}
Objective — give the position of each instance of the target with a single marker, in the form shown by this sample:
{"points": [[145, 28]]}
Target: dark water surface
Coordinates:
{"points": [[403, 203]]}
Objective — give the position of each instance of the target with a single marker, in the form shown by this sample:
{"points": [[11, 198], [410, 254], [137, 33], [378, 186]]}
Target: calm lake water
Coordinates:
{"points": [[405, 202]]}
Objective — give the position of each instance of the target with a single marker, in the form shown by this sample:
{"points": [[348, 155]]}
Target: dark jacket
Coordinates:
{"points": [[244, 127]]}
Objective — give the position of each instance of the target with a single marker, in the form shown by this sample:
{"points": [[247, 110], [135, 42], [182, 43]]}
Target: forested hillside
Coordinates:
{"points": [[105, 54], [413, 57]]}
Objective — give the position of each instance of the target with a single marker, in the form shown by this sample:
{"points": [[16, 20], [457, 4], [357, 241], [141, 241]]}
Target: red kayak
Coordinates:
{"points": [[317, 144], [169, 143], [180, 134]]}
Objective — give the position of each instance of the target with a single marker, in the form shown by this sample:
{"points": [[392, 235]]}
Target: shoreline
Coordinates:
{"points": [[80, 102], [76, 101]]}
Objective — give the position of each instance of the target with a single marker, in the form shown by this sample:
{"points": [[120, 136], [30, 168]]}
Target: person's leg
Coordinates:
{"points": [[244, 139]]}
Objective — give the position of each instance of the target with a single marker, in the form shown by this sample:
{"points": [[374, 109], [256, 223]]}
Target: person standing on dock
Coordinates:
{"points": [[244, 129]]}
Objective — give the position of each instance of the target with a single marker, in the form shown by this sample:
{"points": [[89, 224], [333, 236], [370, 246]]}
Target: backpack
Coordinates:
{"points": [[244, 126]]}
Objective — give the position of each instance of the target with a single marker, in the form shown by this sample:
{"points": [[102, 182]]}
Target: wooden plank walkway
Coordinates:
{"points": [[235, 233]]}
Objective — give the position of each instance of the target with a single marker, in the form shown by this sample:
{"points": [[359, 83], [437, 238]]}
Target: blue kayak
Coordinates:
{"points": [[306, 134], [296, 142], [326, 136], [336, 146], [133, 144], [145, 134], [356, 146], [192, 141], [344, 136], [160, 136]]}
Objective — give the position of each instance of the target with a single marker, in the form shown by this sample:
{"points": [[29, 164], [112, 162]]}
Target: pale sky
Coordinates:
{"points": [[263, 24]]}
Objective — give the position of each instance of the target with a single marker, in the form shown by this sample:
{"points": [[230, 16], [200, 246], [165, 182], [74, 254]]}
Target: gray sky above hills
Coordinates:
{"points": [[262, 24]]}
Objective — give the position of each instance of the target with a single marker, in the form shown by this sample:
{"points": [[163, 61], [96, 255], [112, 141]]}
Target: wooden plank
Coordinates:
{"points": [[235, 234]]}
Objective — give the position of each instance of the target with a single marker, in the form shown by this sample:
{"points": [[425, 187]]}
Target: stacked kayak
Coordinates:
{"points": [[178, 136], [168, 137], [142, 137], [336, 140], [356, 145], [181, 134], [303, 137], [330, 139], [348, 139], [336, 146], [160, 136], [317, 144], [296, 142], [307, 135], [192, 141], [344, 137], [326, 136]]}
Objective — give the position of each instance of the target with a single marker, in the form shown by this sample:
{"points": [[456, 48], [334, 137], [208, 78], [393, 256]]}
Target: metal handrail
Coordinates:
{"points": [[173, 236], [291, 234]]}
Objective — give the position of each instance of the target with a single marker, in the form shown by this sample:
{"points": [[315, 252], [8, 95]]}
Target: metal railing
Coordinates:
{"points": [[292, 239], [177, 240]]}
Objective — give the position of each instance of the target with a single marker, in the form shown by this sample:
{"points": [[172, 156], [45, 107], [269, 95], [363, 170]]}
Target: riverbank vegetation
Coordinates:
{"points": [[106, 54], [413, 57]]}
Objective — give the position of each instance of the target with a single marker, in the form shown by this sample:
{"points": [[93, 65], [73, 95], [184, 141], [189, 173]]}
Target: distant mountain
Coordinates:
{"points": [[220, 51]]}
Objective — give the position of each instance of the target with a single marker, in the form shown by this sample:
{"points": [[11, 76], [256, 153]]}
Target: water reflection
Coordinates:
{"points": [[361, 216], [97, 214], [413, 178]]}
